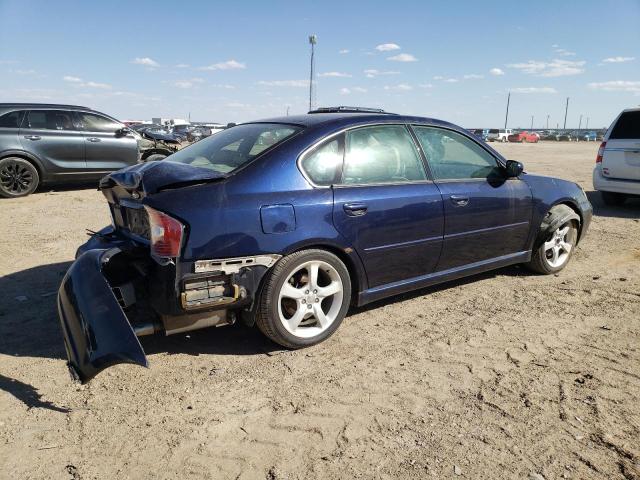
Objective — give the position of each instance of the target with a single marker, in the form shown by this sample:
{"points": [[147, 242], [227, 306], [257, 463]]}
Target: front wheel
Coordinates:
{"points": [[18, 177], [557, 245], [305, 298]]}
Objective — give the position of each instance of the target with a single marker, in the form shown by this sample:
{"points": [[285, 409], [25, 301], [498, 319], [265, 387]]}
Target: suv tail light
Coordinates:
{"points": [[600, 152], [166, 234]]}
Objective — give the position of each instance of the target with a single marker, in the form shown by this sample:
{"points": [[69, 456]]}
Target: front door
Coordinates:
{"points": [[106, 149], [487, 216], [386, 207]]}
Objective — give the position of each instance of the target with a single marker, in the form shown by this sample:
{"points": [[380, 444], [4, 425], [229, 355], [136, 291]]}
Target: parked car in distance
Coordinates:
{"points": [[523, 137], [286, 222], [616, 174], [499, 135], [46, 143], [588, 136]]}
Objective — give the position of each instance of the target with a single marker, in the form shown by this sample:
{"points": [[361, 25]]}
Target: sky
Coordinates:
{"points": [[240, 60]]}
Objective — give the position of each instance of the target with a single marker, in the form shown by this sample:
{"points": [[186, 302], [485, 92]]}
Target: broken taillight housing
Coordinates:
{"points": [[600, 152], [166, 234]]}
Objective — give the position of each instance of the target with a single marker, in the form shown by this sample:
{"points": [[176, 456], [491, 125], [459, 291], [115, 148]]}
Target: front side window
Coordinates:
{"points": [[324, 163], [452, 156], [97, 123], [50, 120], [230, 149], [381, 154], [11, 120]]}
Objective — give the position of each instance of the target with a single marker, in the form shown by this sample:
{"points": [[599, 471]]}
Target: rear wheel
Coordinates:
{"points": [[613, 199], [305, 299], [18, 177]]}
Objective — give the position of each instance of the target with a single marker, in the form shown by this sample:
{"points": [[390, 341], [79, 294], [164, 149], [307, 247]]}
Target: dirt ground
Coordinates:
{"points": [[504, 375]]}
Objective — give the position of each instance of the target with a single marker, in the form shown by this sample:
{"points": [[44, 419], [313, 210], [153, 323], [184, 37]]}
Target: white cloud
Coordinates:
{"points": [[372, 72], [564, 53], [344, 51], [472, 76], [228, 65], [387, 47], [496, 71], [534, 90], [617, 86], [426, 85], [345, 91], [618, 59], [284, 83], [335, 74], [78, 82], [190, 83], [145, 61], [444, 79], [401, 87], [555, 68], [403, 57]]}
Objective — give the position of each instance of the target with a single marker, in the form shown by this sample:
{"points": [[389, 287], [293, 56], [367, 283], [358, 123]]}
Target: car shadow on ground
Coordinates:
{"points": [[29, 325], [67, 187], [629, 209]]}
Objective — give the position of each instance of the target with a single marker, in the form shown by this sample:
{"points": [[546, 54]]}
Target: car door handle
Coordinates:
{"points": [[355, 209], [32, 137], [459, 200], [93, 139]]}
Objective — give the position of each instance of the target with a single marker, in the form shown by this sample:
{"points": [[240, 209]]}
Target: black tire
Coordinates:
{"points": [[268, 316], [542, 259], [18, 177], [613, 199], [155, 157]]}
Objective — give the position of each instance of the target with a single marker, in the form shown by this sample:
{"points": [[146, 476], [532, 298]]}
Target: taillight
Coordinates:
{"points": [[166, 234], [600, 152]]}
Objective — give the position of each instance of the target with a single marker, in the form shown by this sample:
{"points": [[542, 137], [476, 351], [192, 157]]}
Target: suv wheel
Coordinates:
{"points": [[613, 199], [18, 177], [305, 299]]}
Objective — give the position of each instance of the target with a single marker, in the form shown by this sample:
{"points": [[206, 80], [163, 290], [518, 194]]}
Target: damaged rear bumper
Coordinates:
{"points": [[97, 333]]}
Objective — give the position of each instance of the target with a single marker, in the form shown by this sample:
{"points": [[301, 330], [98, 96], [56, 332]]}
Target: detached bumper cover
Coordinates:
{"points": [[97, 333]]}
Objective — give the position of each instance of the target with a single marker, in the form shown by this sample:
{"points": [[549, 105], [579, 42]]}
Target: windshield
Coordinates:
{"points": [[232, 148]]}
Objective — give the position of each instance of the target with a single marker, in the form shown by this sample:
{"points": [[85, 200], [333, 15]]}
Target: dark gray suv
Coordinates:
{"points": [[43, 143]]}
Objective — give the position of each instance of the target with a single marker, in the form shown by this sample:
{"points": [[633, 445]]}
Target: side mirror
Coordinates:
{"points": [[121, 132], [513, 169]]}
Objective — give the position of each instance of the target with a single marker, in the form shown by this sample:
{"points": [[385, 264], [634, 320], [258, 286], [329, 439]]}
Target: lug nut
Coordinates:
{"points": [[315, 291], [306, 292], [317, 300], [304, 301], [309, 306]]}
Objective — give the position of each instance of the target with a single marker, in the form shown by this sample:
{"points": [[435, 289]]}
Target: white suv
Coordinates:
{"points": [[499, 135], [617, 171]]}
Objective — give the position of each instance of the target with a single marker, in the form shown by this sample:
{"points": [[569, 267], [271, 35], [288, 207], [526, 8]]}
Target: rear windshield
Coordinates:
{"points": [[232, 148], [493, 130], [627, 126]]}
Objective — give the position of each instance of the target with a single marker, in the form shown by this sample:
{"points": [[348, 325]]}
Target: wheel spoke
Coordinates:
{"points": [[297, 317], [313, 275], [555, 255], [289, 291], [320, 315], [563, 232], [331, 289], [566, 246], [549, 245]]}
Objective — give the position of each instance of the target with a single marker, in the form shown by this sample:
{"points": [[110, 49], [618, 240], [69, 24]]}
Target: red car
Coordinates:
{"points": [[523, 137]]}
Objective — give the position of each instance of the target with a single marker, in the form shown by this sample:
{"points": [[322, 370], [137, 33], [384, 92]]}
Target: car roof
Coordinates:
{"points": [[42, 105], [350, 118]]}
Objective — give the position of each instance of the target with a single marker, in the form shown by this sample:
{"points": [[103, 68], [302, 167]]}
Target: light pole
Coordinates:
{"points": [[566, 109], [531, 122], [312, 41], [587, 126], [548, 121], [580, 123], [506, 117]]}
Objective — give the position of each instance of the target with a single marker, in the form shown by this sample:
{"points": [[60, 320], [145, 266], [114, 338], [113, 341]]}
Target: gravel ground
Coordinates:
{"points": [[502, 375]]}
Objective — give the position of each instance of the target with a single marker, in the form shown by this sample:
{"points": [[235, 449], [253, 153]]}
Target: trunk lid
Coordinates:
{"points": [[621, 157]]}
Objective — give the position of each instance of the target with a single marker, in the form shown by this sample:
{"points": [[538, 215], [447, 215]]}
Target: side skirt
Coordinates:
{"points": [[403, 286]]}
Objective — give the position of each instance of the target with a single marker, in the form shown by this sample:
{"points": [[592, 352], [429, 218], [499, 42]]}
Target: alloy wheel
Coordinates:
{"points": [[557, 248], [15, 178], [310, 299]]}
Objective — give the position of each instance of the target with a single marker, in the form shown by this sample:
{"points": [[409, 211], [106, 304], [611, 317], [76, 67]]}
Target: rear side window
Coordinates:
{"points": [[11, 120], [381, 154], [50, 120], [323, 164], [627, 127], [452, 156], [97, 123]]}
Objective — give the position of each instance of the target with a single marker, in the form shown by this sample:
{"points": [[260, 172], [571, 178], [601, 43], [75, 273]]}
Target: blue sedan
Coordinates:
{"points": [[284, 223]]}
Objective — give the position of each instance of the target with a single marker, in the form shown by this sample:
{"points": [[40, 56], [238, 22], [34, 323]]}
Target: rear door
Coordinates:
{"points": [[621, 157], [106, 150], [53, 137], [487, 216], [386, 207]]}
